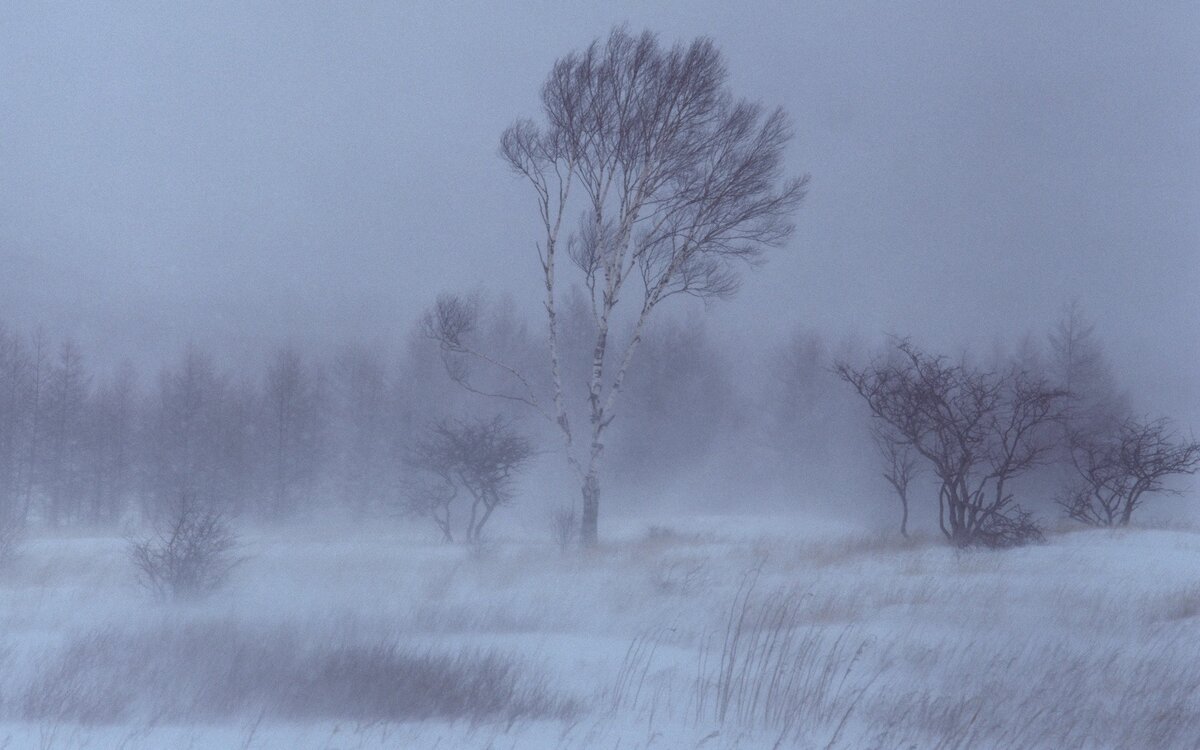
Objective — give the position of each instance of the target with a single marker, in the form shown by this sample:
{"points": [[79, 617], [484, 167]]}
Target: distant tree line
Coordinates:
{"points": [[77, 448], [1041, 429], [299, 431]]}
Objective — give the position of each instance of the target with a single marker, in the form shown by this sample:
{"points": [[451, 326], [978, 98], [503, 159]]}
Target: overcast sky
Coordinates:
{"points": [[172, 172]]}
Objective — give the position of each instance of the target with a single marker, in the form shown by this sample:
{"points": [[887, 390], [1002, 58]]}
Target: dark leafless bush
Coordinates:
{"points": [[479, 457], [977, 431], [1119, 468], [189, 553]]}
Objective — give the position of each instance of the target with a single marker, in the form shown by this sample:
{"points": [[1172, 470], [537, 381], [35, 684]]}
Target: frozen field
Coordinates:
{"points": [[718, 633]]}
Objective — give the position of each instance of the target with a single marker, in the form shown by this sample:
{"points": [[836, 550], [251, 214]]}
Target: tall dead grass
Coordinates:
{"points": [[216, 670], [774, 670]]}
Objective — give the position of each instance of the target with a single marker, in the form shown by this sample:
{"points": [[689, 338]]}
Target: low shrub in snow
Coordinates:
{"points": [[189, 553]]}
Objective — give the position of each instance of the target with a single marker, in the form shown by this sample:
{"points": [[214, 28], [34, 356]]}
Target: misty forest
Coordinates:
{"points": [[386, 376]]}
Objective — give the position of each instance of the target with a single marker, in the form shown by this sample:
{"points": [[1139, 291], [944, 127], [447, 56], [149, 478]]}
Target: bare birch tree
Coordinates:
{"points": [[678, 184]]}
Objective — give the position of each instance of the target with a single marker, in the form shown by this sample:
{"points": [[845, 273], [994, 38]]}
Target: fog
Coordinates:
{"points": [[266, 270], [311, 173]]}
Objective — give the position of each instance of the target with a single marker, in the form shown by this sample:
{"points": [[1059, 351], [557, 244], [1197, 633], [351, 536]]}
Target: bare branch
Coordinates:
{"points": [[451, 323]]}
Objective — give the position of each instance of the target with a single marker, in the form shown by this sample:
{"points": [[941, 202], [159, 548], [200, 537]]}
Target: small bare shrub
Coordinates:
{"points": [[481, 457], [189, 553]]}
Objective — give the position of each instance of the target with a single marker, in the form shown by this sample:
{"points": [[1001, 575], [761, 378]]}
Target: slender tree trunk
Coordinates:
{"points": [[488, 506], [472, 532], [942, 512], [589, 528], [1131, 502]]}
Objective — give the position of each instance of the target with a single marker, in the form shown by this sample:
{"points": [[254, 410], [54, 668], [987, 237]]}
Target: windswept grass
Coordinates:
{"points": [[694, 639], [772, 671], [213, 671]]}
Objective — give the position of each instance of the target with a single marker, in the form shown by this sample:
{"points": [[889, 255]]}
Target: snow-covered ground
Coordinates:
{"points": [[719, 632]]}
